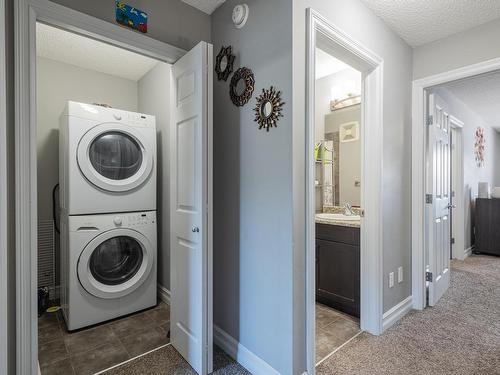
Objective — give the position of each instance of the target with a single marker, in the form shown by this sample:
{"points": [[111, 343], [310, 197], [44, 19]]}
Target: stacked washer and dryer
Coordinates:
{"points": [[107, 172]]}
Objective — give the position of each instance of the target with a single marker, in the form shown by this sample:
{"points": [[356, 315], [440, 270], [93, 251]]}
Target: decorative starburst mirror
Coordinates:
{"points": [[268, 108]]}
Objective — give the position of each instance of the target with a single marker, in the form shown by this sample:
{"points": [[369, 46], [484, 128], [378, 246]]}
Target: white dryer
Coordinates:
{"points": [[108, 266], [107, 160]]}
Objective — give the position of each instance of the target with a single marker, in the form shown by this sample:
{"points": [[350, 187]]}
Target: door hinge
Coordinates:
{"points": [[452, 241], [430, 120], [428, 198], [428, 276]]}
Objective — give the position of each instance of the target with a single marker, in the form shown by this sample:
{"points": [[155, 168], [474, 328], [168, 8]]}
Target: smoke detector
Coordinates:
{"points": [[240, 15]]}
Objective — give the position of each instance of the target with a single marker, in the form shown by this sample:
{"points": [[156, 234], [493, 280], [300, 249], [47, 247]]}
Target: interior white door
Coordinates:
{"points": [[191, 329], [438, 208]]}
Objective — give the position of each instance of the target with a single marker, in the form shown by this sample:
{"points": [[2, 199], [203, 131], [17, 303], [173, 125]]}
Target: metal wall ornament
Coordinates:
{"points": [[242, 86], [224, 63], [269, 108]]}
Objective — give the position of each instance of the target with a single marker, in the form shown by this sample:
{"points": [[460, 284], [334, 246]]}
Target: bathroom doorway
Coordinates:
{"points": [[343, 191]]}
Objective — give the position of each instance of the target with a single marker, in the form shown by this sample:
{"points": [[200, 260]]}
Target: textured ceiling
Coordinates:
{"points": [[74, 49], [480, 94], [423, 21], [207, 6], [326, 64]]}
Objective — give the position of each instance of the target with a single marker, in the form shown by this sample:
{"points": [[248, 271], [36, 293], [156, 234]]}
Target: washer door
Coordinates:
{"points": [[114, 157], [115, 263]]}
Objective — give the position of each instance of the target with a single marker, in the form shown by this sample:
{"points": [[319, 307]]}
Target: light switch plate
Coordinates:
{"points": [[400, 274], [391, 279]]}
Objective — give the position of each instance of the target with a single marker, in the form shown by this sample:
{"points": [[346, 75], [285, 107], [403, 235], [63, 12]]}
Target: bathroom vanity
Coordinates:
{"points": [[338, 262]]}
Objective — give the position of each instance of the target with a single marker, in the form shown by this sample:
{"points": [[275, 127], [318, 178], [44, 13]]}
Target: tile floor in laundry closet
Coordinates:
{"points": [[333, 329], [97, 348]]}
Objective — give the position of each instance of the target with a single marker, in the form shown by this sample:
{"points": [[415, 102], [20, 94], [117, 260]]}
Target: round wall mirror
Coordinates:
{"points": [[242, 86], [224, 63], [268, 108]]}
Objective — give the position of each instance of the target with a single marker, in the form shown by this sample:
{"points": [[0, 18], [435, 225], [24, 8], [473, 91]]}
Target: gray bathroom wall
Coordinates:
{"points": [[361, 24], [170, 21], [253, 285], [154, 99]]}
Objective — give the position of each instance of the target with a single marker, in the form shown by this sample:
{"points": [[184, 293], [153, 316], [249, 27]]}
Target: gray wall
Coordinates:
{"points": [[253, 280], [154, 98], [170, 21], [462, 49], [57, 83], [397, 56]]}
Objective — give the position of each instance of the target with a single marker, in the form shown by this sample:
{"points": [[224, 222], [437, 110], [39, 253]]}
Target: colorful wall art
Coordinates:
{"points": [[131, 17], [479, 146]]}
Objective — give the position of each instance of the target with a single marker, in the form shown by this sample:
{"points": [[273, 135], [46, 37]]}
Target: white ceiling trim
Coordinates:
{"points": [[87, 53], [207, 6], [422, 21]]}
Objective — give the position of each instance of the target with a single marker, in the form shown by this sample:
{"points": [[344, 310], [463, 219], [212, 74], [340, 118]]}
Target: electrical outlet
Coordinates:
{"points": [[391, 279], [400, 274]]}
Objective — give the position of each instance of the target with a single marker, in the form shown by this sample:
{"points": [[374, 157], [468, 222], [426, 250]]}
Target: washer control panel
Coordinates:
{"points": [[135, 219]]}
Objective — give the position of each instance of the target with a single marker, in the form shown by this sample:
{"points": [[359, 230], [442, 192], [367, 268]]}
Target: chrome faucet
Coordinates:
{"points": [[348, 211]]}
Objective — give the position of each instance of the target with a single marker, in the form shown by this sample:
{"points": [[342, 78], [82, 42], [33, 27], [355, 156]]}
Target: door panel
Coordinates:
{"points": [[438, 185], [190, 202]]}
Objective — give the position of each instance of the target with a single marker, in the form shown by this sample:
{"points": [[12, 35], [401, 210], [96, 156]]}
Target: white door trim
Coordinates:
{"points": [[3, 198], [458, 213], [27, 13], [371, 195], [418, 166]]}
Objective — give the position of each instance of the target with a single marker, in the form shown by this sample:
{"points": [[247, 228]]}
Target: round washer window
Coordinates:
{"points": [[115, 155], [116, 260]]}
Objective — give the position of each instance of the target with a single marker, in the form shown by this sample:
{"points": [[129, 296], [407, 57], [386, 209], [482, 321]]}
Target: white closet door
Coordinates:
{"points": [[191, 208]]}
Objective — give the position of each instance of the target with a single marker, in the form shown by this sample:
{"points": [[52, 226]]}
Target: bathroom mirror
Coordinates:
{"points": [[268, 108], [242, 86], [224, 63], [338, 158]]}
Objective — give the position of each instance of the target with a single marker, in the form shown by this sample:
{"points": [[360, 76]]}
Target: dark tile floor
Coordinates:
{"points": [[333, 329], [94, 349]]}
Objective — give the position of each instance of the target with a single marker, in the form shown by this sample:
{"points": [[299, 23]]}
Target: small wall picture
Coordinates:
{"points": [[479, 146], [131, 17]]}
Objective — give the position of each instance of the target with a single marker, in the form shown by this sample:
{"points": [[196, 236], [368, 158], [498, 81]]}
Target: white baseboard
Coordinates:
{"points": [[242, 355], [468, 252], [164, 294], [397, 312]]}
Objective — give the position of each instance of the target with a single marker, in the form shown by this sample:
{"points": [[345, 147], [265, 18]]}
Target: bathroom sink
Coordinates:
{"points": [[342, 217]]}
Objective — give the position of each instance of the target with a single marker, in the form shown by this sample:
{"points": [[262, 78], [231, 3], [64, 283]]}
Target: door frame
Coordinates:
{"points": [[26, 14], [420, 88], [457, 186], [371, 312], [3, 200]]}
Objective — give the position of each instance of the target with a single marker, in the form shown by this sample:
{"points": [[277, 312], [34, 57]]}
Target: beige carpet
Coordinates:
{"points": [[461, 335]]}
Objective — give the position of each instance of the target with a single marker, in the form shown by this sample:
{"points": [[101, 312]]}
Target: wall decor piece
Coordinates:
{"points": [[349, 132], [224, 63], [268, 108], [479, 146], [131, 17], [242, 86], [240, 15]]}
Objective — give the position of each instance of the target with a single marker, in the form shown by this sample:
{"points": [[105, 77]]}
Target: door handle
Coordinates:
{"points": [[195, 229], [450, 206]]}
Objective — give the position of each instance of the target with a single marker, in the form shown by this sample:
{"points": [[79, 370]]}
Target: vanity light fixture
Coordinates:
{"points": [[346, 102]]}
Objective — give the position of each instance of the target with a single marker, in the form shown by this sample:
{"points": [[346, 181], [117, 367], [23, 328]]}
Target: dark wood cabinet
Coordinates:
{"points": [[487, 226], [338, 267]]}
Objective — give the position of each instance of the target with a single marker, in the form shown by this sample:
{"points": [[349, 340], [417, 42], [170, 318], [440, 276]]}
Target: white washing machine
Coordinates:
{"points": [[107, 160], [108, 266]]}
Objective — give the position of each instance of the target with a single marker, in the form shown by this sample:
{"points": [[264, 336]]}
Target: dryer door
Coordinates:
{"points": [[115, 263], [115, 157]]}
